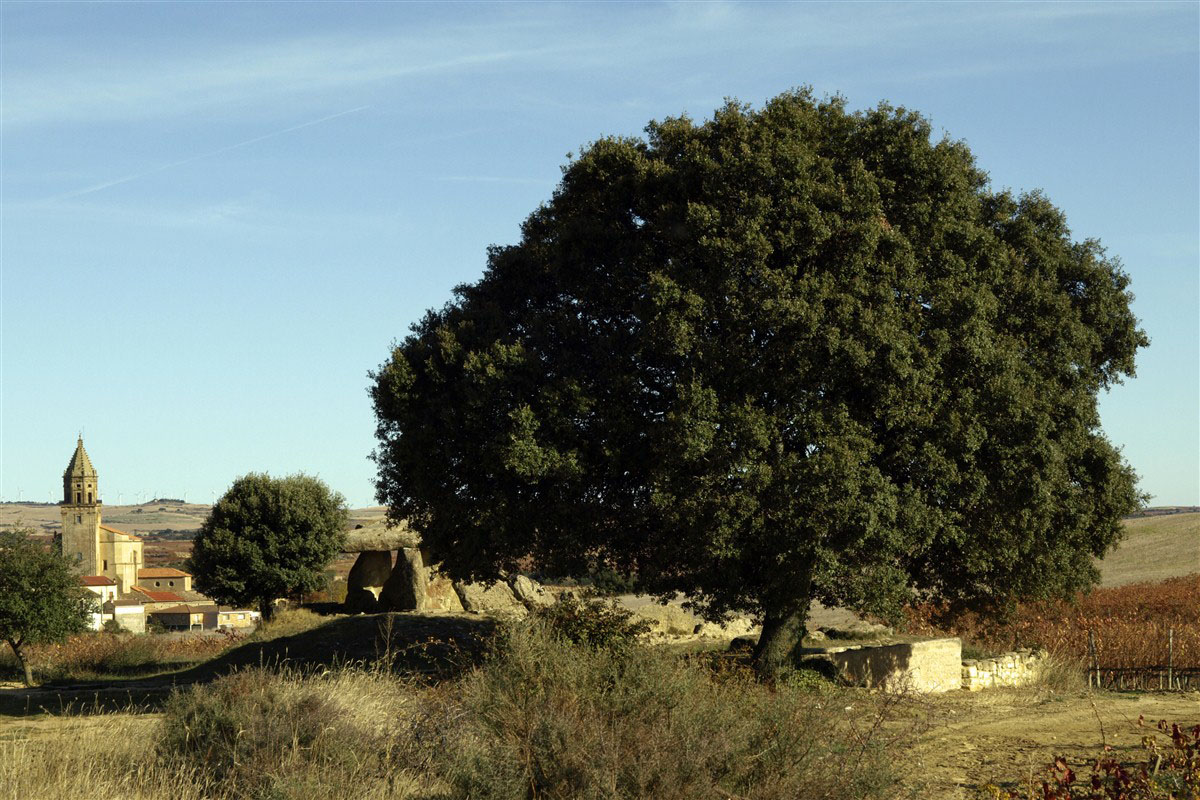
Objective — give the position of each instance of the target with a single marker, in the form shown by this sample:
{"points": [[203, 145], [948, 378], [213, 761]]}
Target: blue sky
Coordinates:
{"points": [[216, 217]]}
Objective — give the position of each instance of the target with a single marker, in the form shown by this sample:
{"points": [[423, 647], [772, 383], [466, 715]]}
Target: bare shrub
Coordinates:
{"points": [[1168, 768], [1130, 623], [545, 719], [259, 732]]}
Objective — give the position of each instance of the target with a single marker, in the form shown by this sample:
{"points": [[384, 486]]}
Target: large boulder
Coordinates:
{"points": [[440, 594], [370, 572], [531, 593], [495, 598], [406, 587], [379, 535]]}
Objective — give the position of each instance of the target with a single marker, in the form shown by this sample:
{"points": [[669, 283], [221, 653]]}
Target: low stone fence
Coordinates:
{"points": [[932, 665], [1018, 668]]}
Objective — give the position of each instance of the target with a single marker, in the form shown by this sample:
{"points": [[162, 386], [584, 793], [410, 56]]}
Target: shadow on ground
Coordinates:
{"points": [[435, 646]]}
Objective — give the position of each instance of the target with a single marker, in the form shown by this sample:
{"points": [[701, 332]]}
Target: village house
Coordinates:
{"points": [[237, 619], [200, 617], [112, 566], [129, 614], [105, 589], [167, 578]]}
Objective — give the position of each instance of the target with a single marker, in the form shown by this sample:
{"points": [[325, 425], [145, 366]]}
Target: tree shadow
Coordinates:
{"points": [[433, 647]]}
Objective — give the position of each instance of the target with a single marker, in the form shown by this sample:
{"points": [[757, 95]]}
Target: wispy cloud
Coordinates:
{"points": [[237, 77], [105, 84], [190, 159]]}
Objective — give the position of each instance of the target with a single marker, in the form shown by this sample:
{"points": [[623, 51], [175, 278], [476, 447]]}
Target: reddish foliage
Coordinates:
{"points": [[1170, 770], [1131, 624]]}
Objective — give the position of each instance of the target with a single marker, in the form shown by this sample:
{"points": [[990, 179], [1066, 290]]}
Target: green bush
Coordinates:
{"points": [[591, 622], [610, 582]]}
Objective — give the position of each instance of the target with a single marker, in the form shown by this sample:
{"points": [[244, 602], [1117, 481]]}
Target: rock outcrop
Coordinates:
{"points": [[380, 536], [480, 598], [531, 593], [412, 584]]}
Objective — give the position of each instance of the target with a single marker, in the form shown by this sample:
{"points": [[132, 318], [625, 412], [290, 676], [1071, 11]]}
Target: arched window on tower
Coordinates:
{"points": [[77, 496], [89, 497]]}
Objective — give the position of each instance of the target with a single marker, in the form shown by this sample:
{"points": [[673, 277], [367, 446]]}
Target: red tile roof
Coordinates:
{"points": [[158, 597], [123, 533], [162, 572], [96, 580]]}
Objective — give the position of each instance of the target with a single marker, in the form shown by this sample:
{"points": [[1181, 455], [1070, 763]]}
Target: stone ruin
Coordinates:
{"points": [[379, 581], [1016, 668]]}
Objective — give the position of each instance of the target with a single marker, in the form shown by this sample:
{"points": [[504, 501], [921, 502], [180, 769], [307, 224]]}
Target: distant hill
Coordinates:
{"points": [[1154, 548], [1160, 542], [173, 519], [1160, 511]]}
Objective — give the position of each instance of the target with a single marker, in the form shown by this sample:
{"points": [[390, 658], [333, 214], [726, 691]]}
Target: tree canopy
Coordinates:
{"points": [[786, 353], [40, 596], [268, 538]]}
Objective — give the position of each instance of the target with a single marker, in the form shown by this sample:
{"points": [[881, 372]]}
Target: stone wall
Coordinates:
{"points": [[933, 665], [1018, 668]]}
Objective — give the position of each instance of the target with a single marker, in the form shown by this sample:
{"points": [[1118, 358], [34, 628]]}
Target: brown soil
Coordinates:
{"points": [[1007, 736]]}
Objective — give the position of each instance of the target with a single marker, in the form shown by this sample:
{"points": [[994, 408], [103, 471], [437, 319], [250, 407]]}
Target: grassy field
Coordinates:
{"points": [[385, 707], [1154, 549]]}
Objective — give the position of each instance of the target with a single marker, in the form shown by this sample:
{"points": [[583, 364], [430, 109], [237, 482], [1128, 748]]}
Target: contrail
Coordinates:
{"points": [[101, 186]]}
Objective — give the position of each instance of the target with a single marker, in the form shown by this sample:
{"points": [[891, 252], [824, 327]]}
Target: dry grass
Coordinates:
{"points": [[254, 734], [288, 622], [1154, 549], [90, 656], [539, 718], [105, 756]]}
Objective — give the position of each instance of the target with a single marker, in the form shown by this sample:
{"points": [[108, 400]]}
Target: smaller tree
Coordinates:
{"points": [[267, 538], [40, 596]]}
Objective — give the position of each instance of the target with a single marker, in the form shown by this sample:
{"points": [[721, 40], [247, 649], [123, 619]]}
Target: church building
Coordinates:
{"points": [[96, 548]]}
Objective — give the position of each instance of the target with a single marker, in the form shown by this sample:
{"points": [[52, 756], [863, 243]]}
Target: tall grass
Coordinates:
{"points": [[539, 717], [550, 720], [90, 656], [335, 734]]}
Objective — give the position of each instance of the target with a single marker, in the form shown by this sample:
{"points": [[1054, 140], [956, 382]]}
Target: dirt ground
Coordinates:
{"points": [[1004, 736]]}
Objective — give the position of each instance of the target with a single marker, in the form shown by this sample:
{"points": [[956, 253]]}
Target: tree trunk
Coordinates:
{"points": [[779, 645], [783, 628], [24, 662], [266, 608]]}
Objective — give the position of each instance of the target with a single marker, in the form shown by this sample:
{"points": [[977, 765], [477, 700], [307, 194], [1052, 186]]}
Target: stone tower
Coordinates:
{"points": [[81, 512], [95, 548]]}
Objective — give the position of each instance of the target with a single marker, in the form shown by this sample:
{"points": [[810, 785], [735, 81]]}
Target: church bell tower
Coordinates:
{"points": [[80, 511]]}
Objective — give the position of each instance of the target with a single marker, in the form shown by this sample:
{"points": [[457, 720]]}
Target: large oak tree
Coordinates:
{"points": [[786, 354]]}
